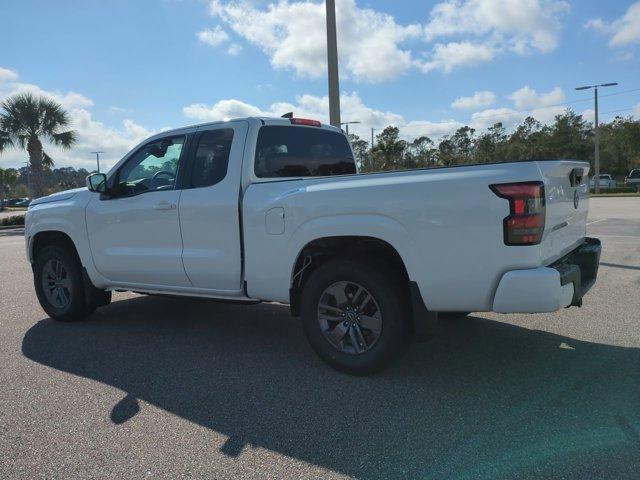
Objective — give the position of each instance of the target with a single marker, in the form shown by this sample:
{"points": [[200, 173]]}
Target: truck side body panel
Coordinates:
{"points": [[446, 224]]}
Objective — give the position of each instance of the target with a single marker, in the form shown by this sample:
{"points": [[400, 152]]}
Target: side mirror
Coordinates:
{"points": [[97, 182]]}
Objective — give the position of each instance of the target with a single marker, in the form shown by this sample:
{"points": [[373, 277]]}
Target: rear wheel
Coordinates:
{"points": [[355, 317], [59, 284]]}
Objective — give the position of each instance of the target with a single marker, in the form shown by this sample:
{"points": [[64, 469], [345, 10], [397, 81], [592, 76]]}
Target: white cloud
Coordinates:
{"points": [[213, 36], [477, 100], [305, 106], [67, 100], [527, 98], [447, 57], [293, 35], [589, 114], [311, 106], [374, 47], [234, 49], [624, 30], [433, 130], [7, 75], [92, 135], [518, 25], [489, 117]]}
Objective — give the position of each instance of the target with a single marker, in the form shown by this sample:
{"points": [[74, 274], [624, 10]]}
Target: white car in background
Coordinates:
{"points": [[606, 181], [633, 179]]}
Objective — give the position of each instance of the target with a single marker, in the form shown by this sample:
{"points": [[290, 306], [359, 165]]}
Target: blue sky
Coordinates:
{"points": [[126, 69]]}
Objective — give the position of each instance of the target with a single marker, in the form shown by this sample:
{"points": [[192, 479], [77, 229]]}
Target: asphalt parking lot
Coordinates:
{"points": [[165, 388]]}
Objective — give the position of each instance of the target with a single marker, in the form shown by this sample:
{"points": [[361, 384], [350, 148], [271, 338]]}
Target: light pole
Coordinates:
{"points": [[349, 123], [597, 130], [372, 130], [97, 154], [332, 59]]}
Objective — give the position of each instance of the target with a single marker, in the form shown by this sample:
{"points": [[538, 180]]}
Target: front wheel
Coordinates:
{"points": [[59, 284], [355, 317]]}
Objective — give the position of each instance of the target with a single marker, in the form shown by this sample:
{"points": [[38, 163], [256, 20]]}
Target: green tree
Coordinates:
{"points": [[27, 120], [459, 148], [620, 145], [389, 151], [522, 143], [8, 178], [360, 149], [421, 153], [570, 137], [492, 145]]}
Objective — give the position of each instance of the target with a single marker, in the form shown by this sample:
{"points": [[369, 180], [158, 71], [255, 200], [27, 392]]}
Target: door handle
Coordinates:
{"points": [[164, 206]]}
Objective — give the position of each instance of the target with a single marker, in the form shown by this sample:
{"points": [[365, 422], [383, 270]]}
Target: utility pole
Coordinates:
{"points": [[332, 59], [97, 154], [372, 130], [347, 124], [597, 130]]}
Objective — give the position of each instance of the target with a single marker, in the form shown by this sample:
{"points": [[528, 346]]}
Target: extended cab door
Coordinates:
{"points": [[209, 208], [134, 232]]}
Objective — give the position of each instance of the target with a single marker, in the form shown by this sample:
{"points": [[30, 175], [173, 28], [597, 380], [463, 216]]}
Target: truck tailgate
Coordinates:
{"points": [[567, 196]]}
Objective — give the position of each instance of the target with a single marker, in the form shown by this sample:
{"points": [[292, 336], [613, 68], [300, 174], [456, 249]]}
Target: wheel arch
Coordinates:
{"points": [[317, 252], [48, 237]]}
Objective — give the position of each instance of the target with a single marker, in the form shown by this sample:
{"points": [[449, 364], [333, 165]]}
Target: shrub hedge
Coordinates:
{"points": [[15, 220]]}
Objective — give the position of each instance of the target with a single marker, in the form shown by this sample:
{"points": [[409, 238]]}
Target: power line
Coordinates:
{"points": [[621, 93], [620, 110]]}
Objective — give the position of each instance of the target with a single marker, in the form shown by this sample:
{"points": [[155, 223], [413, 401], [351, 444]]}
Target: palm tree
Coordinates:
{"points": [[26, 120]]}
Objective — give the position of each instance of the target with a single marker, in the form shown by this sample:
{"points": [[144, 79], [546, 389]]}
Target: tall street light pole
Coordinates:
{"points": [[597, 130], [332, 59], [97, 154], [349, 123]]}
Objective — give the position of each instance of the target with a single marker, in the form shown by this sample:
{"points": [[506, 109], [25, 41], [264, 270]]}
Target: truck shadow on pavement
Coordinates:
{"points": [[482, 400]]}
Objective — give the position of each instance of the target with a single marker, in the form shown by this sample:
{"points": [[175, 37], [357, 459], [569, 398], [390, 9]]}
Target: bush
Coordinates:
{"points": [[16, 220], [616, 190]]}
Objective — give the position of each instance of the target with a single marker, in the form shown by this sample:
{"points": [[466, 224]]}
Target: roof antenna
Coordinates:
{"points": [[287, 115]]}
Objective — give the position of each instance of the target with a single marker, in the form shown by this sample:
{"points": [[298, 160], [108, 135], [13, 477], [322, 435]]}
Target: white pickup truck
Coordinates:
{"points": [[274, 210]]}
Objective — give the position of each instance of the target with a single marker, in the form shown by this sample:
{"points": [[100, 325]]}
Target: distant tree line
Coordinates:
{"points": [[569, 137], [15, 182]]}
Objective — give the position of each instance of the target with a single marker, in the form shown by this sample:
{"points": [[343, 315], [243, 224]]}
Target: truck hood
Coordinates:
{"points": [[56, 197]]}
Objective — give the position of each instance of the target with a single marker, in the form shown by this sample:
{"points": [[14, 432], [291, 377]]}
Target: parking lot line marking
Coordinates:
{"points": [[597, 221]]}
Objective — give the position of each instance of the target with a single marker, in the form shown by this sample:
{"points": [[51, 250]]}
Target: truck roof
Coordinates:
{"points": [[263, 120]]}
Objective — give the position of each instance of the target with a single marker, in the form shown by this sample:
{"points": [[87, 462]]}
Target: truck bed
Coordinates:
{"points": [[445, 223]]}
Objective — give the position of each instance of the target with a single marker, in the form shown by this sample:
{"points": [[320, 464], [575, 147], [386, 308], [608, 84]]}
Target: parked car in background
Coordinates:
{"points": [[633, 179], [16, 202], [606, 181], [274, 210]]}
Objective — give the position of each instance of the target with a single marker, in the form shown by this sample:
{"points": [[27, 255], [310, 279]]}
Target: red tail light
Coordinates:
{"points": [[525, 223], [305, 121]]}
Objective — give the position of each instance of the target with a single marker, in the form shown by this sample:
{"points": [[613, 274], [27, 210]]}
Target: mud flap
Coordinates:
{"points": [[425, 323]]}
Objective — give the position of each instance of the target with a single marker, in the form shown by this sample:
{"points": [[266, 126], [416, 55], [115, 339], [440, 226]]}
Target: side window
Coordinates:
{"points": [[211, 158], [284, 151], [153, 167]]}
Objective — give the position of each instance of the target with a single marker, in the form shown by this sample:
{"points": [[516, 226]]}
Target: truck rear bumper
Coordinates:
{"points": [[547, 289]]}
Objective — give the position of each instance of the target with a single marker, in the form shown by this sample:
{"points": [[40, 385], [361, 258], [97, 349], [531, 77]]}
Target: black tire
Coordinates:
{"points": [[76, 307], [389, 298]]}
